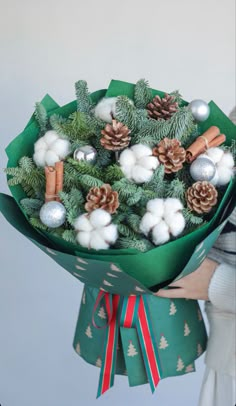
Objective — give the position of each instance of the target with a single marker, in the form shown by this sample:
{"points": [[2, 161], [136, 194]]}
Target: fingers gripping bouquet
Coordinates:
{"points": [[127, 189]]}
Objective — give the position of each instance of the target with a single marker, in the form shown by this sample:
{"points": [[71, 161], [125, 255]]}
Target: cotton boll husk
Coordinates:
{"points": [[140, 174], [40, 144], [148, 222], [215, 154], [160, 233], [156, 206], [105, 108], [51, 158], [141, 150], [109, 233], [224, 175], [61, 147], [50, 136], [176, 223], [39, 157], [83, 238], [100, 218], [127, 158], [227, 160], [97, 242], [172, 205], [148, 162], [82, 223]]}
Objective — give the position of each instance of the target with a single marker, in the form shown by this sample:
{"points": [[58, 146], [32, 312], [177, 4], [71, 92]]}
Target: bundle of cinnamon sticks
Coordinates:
{"points": [[211, 138], [54, 181]]}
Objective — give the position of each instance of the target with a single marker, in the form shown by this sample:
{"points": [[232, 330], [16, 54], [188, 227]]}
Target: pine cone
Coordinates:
{"points": [[102, 198], [162, 108], [170, 154], [201, 197], [115, 136]]}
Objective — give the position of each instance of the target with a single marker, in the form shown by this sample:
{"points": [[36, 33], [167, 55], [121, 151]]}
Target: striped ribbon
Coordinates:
{"points": [[128, 312]]}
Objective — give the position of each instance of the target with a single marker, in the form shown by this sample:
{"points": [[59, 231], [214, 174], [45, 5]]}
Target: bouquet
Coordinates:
{"points": [[127, 189]]}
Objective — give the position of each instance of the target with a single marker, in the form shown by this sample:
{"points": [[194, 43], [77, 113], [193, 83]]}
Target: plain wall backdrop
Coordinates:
{"points": [[45, 46]]}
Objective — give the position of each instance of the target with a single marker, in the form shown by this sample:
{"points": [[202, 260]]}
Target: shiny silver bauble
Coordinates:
{"points": [[85, 153], [52, 214], [200, 110], [203, 168]]}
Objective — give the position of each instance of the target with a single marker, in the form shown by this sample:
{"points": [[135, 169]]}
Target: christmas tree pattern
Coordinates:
{"points": [[102, 313], [163, 343], [99, 362], [199, 349], [173, 309], [180, 365], [84, 298], [189, 368], [187, 330], [131, 350], [77, 348], [199, 315], [88, 332]]}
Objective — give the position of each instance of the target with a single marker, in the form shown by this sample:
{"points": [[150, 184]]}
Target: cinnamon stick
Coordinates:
{"points": [[202, 143], [50, 174], [59, 166], [217, 141]]}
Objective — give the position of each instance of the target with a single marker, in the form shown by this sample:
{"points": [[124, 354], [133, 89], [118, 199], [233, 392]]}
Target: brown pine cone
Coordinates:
{"points": [[201, 197], [162, 108], [102, 198], [171, 154], [115, 136]]}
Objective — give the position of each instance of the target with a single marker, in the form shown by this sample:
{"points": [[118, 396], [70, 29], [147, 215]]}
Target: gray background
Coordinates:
{"points": [[45, 47]]}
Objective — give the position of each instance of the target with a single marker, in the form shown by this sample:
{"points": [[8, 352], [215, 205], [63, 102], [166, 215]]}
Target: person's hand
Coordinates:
{"points": [[192, 286]]}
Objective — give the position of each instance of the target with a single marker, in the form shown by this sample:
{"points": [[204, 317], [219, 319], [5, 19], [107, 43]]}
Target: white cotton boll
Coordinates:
{"points": [[160, 233], [127, 171], [50, 136], [148, 222], [105, 109], [148, 162], [141, 150], [61, 147], [227, 160], [39, 157], [40, 144], [109, 233], [97, 242], [224, 175], [83, 238], [100, 218], [156, 206], [82, 223], [176, 223], [172, 205], [140, 174], [51, 158], [215, 154], [127, 158]]}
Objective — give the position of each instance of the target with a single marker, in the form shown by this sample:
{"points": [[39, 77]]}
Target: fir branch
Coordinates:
{"points": [[89, 181], [74, 204], [181, 124], [135, 198], [37, 223], [129, 115], [142, 245], [113, 173], [177, 97], [71, 178], [69, 236], [104, 157], [157, 183], [75, 128], [57, 123], [232, 149], [142, 94], [133, 222], [84, 102], [125, 188], [126, 231], [152, 132], [84, 168], [177, 189], [41, 117], [190, 218], [31, 206]]}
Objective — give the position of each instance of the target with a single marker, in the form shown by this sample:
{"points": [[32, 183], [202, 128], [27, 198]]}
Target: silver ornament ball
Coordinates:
{"points": [[200, 110], [202, 168], [52, 214], [85, 153]]}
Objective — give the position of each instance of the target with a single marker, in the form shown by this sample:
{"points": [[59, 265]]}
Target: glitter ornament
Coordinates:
{"points": [[203, 168], [52, 214], [200, 110], [86, 153]]}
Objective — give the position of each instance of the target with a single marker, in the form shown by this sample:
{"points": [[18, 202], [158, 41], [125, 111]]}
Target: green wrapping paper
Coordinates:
{"points": [[127, 271]]}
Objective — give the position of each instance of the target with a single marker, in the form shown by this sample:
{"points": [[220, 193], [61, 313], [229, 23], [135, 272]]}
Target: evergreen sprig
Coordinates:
{"points": [[84, 102], [41, 117], [127, 113], [31, 206], [142, 94]]}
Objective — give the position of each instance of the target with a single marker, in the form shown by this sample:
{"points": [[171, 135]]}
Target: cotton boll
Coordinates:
{"points": [[140, 174], [227, 160], [214, 180], [60, 147], [83, 238], [127, 171], [215, 154], [176, 223], [100, 218], [51, 158], [109, 233], [82, 223], [97, 242], [40, 144], [160, 233], [141, 150], [39, 157], [127, 158], [148, 221], [148, 162], [156, 206], [105, 109], [50, 136], [224, 175], [172, 205]]}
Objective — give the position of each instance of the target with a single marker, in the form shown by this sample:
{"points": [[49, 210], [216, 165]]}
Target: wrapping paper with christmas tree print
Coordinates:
{"points": [[128, 272]]}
